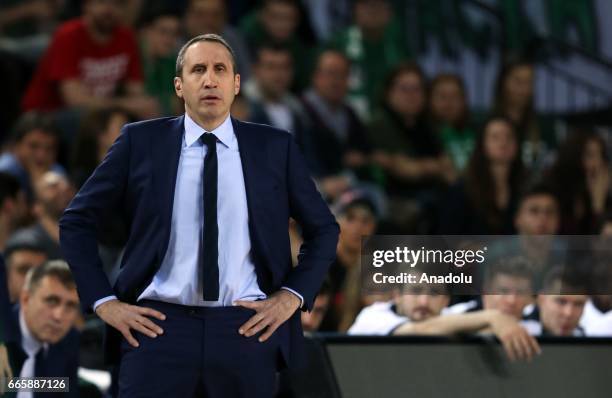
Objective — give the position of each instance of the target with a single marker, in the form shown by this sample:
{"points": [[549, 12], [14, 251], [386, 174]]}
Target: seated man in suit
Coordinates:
{"points": [[5, 368], [40, 338]]}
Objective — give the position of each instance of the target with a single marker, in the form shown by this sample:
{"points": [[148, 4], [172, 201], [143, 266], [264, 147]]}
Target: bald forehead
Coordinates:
{"points": [[208, 52]]}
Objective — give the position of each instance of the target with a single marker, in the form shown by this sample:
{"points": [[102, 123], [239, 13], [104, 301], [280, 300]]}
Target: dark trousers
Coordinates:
{"points": [[200, 354]]}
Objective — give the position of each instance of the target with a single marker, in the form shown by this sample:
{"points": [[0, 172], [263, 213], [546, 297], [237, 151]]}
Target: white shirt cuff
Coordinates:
{"points": [[102, 301], [296, 293]]}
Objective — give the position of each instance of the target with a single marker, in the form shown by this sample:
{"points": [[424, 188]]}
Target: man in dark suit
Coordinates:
{"points": [[206, 282], [40, 337], [5, 311]]}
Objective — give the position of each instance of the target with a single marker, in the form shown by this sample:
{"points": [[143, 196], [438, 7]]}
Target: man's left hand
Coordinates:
{"points": [[271, 313]]}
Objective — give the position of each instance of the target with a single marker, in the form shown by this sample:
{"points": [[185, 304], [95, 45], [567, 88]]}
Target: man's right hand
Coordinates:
{"points": [[124, 317], [517, 342]]}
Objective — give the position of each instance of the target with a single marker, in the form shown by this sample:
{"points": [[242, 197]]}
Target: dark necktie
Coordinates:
{"points": [[209, 252]]}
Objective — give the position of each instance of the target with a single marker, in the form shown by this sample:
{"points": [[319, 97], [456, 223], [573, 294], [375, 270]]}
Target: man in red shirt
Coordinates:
{"points": [[89, 61]]}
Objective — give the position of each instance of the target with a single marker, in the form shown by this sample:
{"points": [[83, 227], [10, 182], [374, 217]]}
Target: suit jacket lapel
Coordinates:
{"points": [[253, 158], [166, 152]]}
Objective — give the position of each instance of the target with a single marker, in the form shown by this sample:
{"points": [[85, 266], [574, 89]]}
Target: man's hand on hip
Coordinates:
{"points": [[271, 313], [124, 317]]}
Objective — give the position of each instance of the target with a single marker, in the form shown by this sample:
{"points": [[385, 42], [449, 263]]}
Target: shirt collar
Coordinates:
{"points": [[224, 133], [29, 343]]}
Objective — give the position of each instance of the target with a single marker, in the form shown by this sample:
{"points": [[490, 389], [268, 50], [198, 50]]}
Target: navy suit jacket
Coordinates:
{"points": [[138, 178], [60, 360]]}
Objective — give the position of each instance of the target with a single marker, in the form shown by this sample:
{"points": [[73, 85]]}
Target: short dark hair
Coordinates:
{"points": [[150, 15], [271, 47], [407, 67], [208, 37], [9, 187], [292, 3], [58, 269], [23, 239], [570, 281], [538, 189], [31, 121], [325, 51], [517, 266]]}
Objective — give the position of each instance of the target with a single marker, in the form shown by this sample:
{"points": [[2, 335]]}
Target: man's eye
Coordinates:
{"points": [[52, 301]]}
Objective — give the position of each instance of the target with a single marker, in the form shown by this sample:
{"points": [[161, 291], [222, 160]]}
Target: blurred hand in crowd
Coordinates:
{"points": [[355, 159], [334, 186], [517, 342]]}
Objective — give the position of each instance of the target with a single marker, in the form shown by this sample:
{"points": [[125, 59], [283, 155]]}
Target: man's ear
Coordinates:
{"points": [[236, 84], [24, 298], [178, 87]]}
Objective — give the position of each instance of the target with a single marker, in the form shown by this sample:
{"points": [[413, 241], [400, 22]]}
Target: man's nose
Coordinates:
{"points": [[511, 298], [567, 311], [58, 314], [209, 80]]}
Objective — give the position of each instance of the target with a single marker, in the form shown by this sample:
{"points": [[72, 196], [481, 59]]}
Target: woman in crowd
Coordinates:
{"points": [[406, 149], [581, 177], [99, 129], [483, 202], [449, 117], [514, 99]]}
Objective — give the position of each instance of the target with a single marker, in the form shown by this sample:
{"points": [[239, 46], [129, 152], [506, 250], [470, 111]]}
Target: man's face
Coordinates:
{"points": [[331, 77], [37, 150], [538, 215], [104, 15], [53, 194], [50, 310], [447, 101], [18, 265], [205, 16], [513, 293], [312, 320], [162, 35], [420, 302], [372, 15], [280, 21], [16, 210], [356, 222], [274, 72], [407, 95], [560, 314], [208, 84], [519, 85]]}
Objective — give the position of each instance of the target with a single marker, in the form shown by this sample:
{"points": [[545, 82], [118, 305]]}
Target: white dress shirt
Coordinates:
{"points": [[178, 279], [31, 346]]}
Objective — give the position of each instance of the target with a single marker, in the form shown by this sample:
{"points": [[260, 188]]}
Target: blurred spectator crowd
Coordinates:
{"points": [[392, 150]]}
